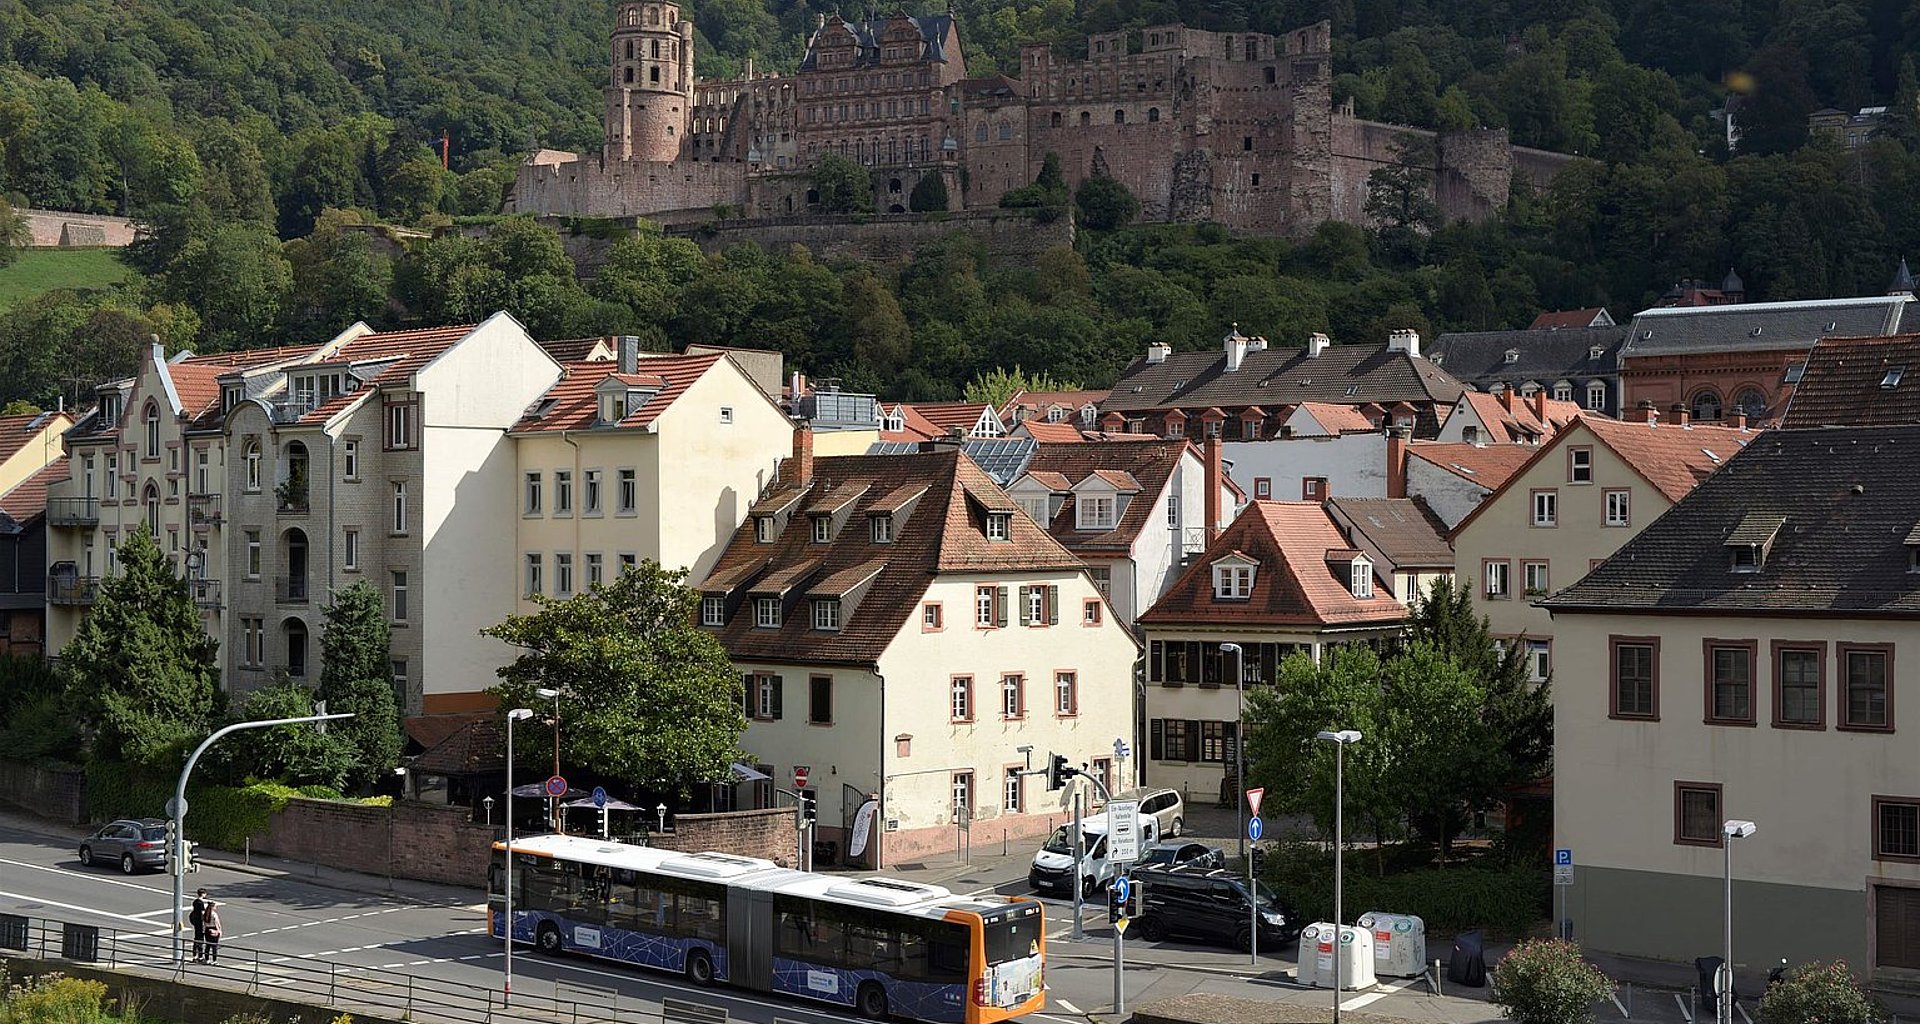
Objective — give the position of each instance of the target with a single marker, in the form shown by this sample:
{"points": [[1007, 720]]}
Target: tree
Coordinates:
{"points": [[140, 670], [1340, 692], [877, 333], [236, 279], [1544, 981], [1105, 203], [842, 185], [1518, 710], [298, 755], [1047, 193], [929, 194], [356, 677], [15, 235], [650, 698], [997, 386], [1817, 993], [1400, 198]]}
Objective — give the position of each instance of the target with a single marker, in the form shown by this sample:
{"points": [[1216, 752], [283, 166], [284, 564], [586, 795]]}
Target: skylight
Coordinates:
{"points": [[1892, 379]]}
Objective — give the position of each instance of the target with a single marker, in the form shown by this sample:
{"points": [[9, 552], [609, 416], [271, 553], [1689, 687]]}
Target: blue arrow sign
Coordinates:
{"points": [[599, 796], [1120, 886], [1254, 828], [1563, 855]]}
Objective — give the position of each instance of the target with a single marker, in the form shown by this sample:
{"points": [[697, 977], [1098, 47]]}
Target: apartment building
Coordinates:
{"points": [[1508, 417], [384, 457], [31, 460], [930, 631], [1583, 494], [1740, 658], [1404, 540]]}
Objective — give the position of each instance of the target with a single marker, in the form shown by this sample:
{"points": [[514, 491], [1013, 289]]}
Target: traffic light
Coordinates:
{"points": [[1058, 772], [173, 837], [809, 810], [193, 855], [1125, 897]]}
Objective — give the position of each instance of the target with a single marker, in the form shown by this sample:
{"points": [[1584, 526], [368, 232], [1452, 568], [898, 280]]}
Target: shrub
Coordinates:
{"points": [[1817, 993], [55, 999], [1504, 899], [219, 816], [1546, 982]]}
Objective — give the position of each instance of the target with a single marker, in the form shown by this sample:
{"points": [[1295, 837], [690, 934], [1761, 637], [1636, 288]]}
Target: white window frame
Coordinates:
{"points": [[713, 610], [1620, 512], [1498, 572], [960, 697], [1596, 395], [629, 491], [397, 581], [1539, 660], [1066, 698], [1233, 582], [826, 614], [822, 529], [766, 613], [563, 492], [1093, 512], [252, 456], [1036, 606], [1580, 465], [1013, 790], [1360, 579], [400, 507], [998, 527], [882, 528], [596, 569], [563, 573], [1544, 508], [1012, 696], [590, 492], [535, 581], [531, 493], [983, 600], [252, 553], [350, 549], [1529, 570], [350, 458]]}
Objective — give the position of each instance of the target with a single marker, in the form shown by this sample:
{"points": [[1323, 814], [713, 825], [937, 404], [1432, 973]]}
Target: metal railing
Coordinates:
{"points": [[290, 589], [203, 510], [206, 593], [72, 589], [291, 500], [346, 988], [73, 511]]}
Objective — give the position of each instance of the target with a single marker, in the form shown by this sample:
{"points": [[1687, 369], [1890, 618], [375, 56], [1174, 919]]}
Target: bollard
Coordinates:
{"points": [[331, 968], [255, 987]]}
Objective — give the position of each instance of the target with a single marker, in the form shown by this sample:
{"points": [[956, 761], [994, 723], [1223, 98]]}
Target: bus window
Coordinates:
{"points": [[873, 947], [948, 956], [699, 917], [1012, 937]]}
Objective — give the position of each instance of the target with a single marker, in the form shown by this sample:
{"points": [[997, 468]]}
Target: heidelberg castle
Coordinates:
{"points": [[1233, 127]]}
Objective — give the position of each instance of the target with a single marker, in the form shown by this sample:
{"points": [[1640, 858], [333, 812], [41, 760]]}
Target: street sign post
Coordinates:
{"points": [[1254, 829], [1123, 831], [1562, 878], [1121, 885], [1254, 796], [600, 797]]}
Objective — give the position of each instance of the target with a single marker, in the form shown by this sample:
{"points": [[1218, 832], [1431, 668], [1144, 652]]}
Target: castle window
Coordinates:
{"points": [[1270, 76], [1085, 119], [653, 74], [629, 49], [653, 15], [656, 49], [1253, 49], [1006, 131], [1054, 121], [669, 131], [1153, 115], [980, 133], [1119, 117], [629, 76], [1246, 143], [1256, 179]]}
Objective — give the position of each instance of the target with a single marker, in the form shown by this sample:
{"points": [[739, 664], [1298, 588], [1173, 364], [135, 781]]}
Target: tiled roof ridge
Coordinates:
{"points": [[1784, 306]]}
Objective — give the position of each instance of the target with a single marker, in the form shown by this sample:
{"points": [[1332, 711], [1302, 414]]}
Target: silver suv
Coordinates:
{"points": [[133, 844]]}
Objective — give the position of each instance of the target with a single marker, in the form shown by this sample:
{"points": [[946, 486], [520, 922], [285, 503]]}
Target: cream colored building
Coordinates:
{"points": [[1740, 659], [902, 631], [1584, 493], [655, 459], [29, 443]]}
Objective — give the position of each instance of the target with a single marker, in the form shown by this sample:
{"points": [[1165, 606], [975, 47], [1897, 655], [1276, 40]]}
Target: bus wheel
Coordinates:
{"points": [[548, 939], [700, 968], [872, 1001]]}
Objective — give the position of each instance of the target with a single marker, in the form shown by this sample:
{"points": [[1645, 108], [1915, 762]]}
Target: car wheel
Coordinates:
{"points": [[1153, 929], [1243, 940], [1179, 826], [872, 1001], [548, 939], [700, 968], [86, 856], [127, 866], [1089, 888]]}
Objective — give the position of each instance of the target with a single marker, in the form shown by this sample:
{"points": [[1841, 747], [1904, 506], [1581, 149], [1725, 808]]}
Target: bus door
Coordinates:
{"points": [[750, 938]]}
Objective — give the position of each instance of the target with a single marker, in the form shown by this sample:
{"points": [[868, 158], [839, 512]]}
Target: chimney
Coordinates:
{"points": [[1397, 461], [1644, 413], [1236, 345], [1680, 417], [1157, 352], [629, 348], [1538, 403], [1737, 421], [802, 468], [1212, 483], [1405, 340], [1506, 399], [1316, 344]]}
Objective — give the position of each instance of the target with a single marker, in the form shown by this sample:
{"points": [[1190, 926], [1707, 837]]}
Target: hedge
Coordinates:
{"points": [[1501, 898], [219, 816]]}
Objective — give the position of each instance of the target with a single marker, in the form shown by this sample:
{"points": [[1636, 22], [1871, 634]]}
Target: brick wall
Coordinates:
{"points": [[764, 833], [54, 791], [1011, 236]]}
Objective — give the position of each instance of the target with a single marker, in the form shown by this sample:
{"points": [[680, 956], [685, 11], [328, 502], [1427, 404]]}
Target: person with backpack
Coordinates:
{"points": [[198, 919]]}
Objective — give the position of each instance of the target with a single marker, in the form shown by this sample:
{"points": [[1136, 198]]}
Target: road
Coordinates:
{"points": [[283, 922]]}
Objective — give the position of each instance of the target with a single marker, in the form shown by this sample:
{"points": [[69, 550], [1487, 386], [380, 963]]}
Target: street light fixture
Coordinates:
{"points": [[553, 802], [506, 928], [1340, 740], [487, 802], [1239, 739], [1733, 829], [661, 811]]}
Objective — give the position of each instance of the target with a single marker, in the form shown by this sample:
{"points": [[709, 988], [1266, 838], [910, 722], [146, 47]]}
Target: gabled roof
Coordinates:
{"points": [[914, 425], [29, 497], [196, 379], [933, 29], [1545, 356], [580, 350], [1401, 529], [1760, 326], [945, 531], [1338, 419], [1293, 585], [1841, 550], [1041, 401], [1518, 425], [1149, 465], [474, 747], [16, 431], [572, 404], [1281, 376], [946, 416], [1051, 433], [1844, 383], [392, 357], [1574, 319], [1487, 466]]}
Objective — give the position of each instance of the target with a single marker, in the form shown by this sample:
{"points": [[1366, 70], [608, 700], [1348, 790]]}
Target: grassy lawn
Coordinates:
{"points": [[41, 270]]}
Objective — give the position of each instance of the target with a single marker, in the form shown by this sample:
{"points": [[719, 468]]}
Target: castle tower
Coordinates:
{"points": [[650, 93]]}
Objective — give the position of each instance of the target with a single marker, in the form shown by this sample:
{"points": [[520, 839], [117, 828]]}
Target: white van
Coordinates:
{"points": [[1052, 870]]}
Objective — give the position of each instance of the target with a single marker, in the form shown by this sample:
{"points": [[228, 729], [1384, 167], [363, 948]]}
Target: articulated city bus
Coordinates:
{"points": [[882, 946]]}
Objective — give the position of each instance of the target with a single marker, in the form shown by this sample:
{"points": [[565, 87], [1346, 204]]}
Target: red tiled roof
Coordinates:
{"points": [[1149, 466], [915, 427], [474, 748], [947, 415], [429, 731], [1565, 318], [29, 497], [944, 531], [403, 351], [1119, 479], [1052, 433], [1338, 418], [196, 379], [1293, 584], [1489, 466], [1041, 401], [572, 405], [1519, 425]]}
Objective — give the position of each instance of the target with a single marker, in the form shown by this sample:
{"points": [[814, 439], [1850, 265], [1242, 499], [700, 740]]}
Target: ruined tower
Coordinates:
{"points": [[650, 91]]}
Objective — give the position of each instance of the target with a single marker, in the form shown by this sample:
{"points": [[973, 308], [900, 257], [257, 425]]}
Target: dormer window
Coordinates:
{"points": [[999, 525], [1037, 509], [1512, 356], [1744, 557], [613, 407], [763, 529], [896, 421], [882, 527], [1232, 581], [822, 529], [1094, 512], [1794, 373], [1360, 578], [826, 614], [1751, 540], [766, 612], [110, 408], [713, 610], [229, 397]]}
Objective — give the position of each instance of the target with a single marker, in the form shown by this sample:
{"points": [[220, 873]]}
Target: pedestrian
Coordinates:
{"points": [[213, 933], [198, 919]]}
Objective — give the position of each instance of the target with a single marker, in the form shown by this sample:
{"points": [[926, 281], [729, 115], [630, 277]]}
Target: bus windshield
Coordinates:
{"points": [[1012, 937]]}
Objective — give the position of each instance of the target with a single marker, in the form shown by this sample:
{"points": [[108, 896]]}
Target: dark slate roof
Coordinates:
{"points": [[1844, 383], [1146, 467], [1842, 550], [1403, 530], [1545, 356], [933, 31], [1760, 326], [1281, 376]]}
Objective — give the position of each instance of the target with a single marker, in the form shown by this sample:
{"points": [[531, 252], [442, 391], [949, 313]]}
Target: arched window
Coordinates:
{"points": [[1706, 405], [151, 499], [893, 184], [252, 458], [296, 638], [1153, 115], [1597, 395], [1119, 117], [653, 15], [656, 49], [153, 430], [980, 132], [1006, 131], [1751, 403], [293, 558], [1085, 119]]}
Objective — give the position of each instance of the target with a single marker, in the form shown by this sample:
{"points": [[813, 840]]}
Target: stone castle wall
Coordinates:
{"points": [[591, 186], [1007, 235], [54, 228]]}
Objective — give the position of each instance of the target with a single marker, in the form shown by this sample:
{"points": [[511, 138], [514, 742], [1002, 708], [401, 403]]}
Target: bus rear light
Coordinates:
{"points": [[982, 992]]}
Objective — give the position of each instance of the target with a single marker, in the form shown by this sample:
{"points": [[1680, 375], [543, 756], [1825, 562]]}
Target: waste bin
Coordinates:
{"points": [[1310, 954], [1316, 957], [1399, 944], [1467, 964]]}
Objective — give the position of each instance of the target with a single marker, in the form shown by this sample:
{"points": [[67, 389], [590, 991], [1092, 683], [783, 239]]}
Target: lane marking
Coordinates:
{"points": [[1069, 1007], [91, 876], [86, 910], [153, 913], [1369, 998]]}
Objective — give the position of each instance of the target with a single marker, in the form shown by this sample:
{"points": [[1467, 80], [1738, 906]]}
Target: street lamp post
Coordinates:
{"points": [[487, 802], [1723, 1003], [1339, 740], [506, 921], [553, 802], [1239, 739]]}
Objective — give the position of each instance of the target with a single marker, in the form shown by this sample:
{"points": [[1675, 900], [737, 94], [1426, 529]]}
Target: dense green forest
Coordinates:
{"points": [[254, 135]]}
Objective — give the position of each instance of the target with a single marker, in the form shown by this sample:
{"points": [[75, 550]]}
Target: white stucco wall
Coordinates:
{"points": [[1354, 465], [1449, 495]]}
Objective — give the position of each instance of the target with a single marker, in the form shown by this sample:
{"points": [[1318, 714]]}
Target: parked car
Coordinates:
{"points": [[1052, 869], [1179, 854], [134, 844], [1211, 905], [1163, 805]]}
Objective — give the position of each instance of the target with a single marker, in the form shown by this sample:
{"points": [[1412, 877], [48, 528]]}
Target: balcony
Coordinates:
{"points": [[206, 593], [291, 497], [203, 511], [72, 590], [73, 511], [290, 589], [291, 411]]}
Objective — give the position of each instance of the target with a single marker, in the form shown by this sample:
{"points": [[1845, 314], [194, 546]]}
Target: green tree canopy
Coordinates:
{"points": [[929, 194], [1104, 203], [998, 386], [842, 185], [356, 677], [649, 698]]}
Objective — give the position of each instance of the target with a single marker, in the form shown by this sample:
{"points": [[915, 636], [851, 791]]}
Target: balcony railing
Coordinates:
{"points": [[291, 500], [206, 593], [290, 589], [203, 510], [291, 411], [73, 511], [71, 590]]}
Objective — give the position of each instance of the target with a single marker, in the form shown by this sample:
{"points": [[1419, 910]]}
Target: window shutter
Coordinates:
{"points": [[1156, 661], [1000, 606], [1026, 595], [1053, 606], [1193, 739], [1156, 740], [777, 697], [746, 694]]}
